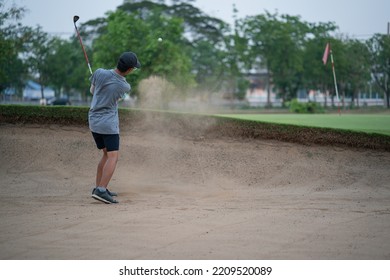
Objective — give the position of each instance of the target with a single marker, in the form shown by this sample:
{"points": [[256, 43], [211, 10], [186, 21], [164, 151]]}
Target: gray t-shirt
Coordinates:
{"points": [[103, 113]]}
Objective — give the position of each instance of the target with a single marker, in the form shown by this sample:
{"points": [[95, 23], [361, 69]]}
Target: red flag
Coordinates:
{"points": [[326, 53]]}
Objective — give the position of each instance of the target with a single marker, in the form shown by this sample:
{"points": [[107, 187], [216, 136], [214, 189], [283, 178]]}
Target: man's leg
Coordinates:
{"points": [[106, 168], [100, 167]]}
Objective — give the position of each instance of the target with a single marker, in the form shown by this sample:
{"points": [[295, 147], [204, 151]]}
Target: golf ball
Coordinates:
{"points": [[159, 39]]}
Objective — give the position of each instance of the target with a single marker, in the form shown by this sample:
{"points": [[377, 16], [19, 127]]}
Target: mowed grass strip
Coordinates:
{"points": [[369, 123]]}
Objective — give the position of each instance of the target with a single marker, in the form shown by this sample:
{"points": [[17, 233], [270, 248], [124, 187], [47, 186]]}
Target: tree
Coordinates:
{"points": [[358, 65], [236, 60], [379, 47], [38, 52], [278, 43], [12, 38], [211, 48], [59, 64], [66, 69], [189, 36], [166, 58]]}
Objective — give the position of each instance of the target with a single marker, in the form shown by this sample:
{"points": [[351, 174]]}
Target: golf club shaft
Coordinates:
{"points": [[82, 46]]}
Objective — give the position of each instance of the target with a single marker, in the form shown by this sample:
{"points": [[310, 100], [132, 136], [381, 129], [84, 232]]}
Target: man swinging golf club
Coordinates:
{"points": [[107, 88]]}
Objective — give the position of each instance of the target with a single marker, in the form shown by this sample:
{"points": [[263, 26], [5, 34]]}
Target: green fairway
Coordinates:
{"points": [[366, 123]]}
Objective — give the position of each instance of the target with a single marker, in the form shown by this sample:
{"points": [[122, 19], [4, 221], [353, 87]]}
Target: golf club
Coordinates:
{"points": [[75, 19]]}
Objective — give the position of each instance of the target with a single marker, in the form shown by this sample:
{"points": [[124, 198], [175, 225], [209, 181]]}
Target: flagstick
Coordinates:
{"points": [[335, 81]]}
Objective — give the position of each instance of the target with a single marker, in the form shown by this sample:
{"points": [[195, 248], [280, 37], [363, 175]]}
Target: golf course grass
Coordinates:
{"points": [[369, 123]]}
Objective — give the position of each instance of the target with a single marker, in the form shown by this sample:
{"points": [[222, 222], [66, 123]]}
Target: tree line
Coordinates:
{"points": [[197, 53]]}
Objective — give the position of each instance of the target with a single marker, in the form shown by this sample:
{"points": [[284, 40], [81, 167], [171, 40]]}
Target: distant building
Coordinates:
{"points": [[257, 92], [32, 91], [8, 94]]}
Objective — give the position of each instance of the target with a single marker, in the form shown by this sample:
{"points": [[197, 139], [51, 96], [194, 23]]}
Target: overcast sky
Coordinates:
{"points": [[356, 18]]}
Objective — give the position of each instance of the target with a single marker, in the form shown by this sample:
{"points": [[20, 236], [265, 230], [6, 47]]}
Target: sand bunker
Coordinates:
{"points": [[190, 198]]}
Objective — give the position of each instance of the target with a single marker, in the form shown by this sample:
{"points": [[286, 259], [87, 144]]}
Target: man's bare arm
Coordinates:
{"points": [[92, 89]]}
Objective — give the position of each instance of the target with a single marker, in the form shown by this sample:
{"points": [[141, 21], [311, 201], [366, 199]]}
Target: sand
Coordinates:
{"points": [[190, 198]]}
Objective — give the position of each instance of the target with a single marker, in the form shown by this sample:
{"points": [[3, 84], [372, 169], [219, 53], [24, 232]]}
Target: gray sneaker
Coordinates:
{"points": [[109, 192], [103, 196]]}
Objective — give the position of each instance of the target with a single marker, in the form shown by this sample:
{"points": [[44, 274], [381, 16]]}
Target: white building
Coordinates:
{"points": [[32, 91]]}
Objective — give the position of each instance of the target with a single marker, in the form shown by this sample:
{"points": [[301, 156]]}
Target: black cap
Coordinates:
{"points": [[128, 60]]}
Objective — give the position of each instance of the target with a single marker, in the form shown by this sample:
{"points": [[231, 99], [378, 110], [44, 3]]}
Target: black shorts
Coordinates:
{"points": [[108, 141]]}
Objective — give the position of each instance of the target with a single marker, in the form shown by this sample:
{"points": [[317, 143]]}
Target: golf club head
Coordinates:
{"points": [[75, 18]]}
